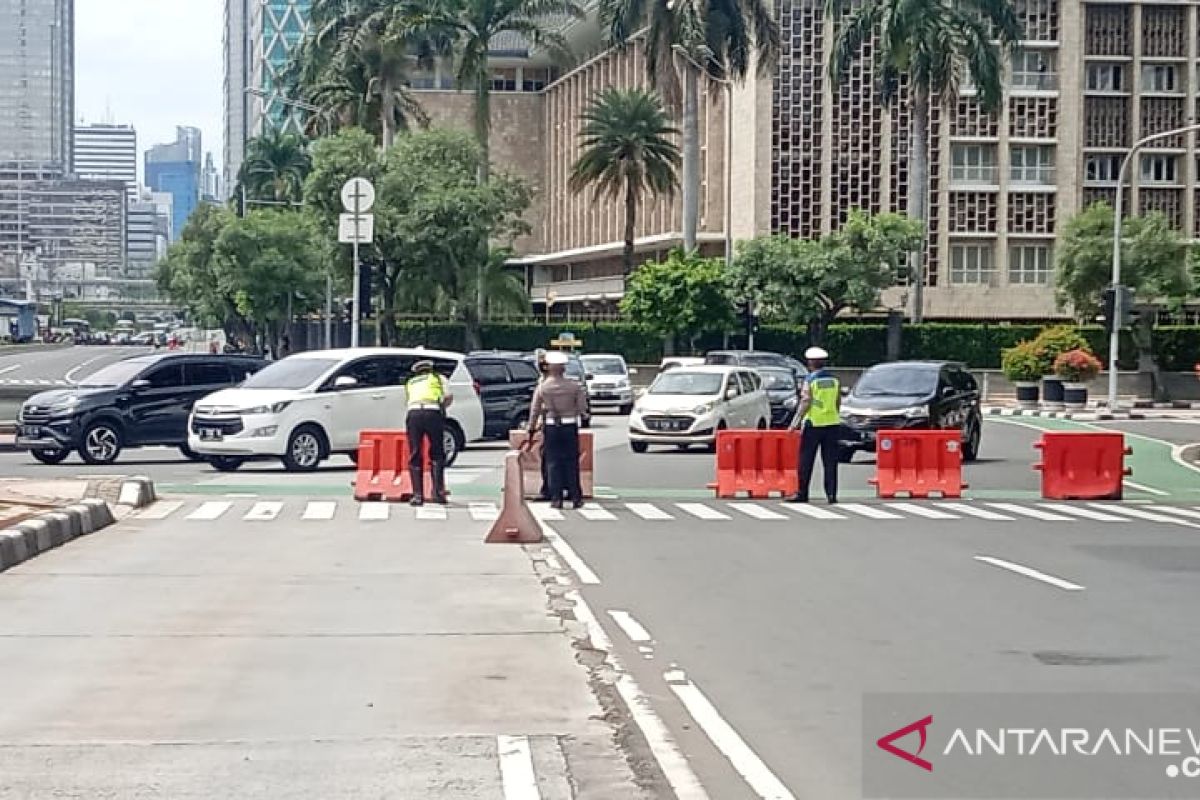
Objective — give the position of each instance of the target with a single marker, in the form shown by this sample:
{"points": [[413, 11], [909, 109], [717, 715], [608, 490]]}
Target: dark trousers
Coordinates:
{"points": [[824, 439], [421, 424], [561, 456]]}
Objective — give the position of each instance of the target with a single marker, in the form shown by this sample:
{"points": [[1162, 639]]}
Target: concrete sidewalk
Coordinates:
{"points": [[183, 658]]}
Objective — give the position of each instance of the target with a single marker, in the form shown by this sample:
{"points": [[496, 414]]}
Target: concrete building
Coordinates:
{"points": [[148, 232], [211, 189], [175, 168], [104, 152], [37, 81], [259, 38]]}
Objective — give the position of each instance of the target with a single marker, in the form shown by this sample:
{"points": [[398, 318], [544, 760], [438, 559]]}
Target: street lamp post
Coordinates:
{"points": [[1114, 340]]}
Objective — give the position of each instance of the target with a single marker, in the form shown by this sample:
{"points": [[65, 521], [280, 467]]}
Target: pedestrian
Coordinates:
{"points": [[428, 398], [558, 407], [544, 492], [819, 412]]}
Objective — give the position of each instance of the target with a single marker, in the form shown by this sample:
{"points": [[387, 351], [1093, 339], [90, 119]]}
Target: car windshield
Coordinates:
{"points": [[678, 381], [764, 360], [291, 373], [113, 375], [897, 380], [775, 380], [575, 369], [604, 366]]}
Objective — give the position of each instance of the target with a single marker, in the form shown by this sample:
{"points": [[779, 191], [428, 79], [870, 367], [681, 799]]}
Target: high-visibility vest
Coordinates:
{"points": [[823, 392], [425, 389]]}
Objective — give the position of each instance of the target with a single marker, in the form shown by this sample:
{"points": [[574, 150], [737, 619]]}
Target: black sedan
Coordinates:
{"points": [[783, 393]]}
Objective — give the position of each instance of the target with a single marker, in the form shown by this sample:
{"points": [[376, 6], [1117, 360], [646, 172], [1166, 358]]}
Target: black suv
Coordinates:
{"points": [[140, 401], [912, 394], [506, 383]]}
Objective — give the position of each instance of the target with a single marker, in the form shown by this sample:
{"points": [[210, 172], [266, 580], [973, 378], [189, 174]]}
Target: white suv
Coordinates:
{"points": [[313, 404], [688, 405], [608, 382]]}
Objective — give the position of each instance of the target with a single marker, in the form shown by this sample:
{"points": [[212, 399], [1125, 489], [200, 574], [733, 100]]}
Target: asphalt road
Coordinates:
{"points": [[24, 374]]}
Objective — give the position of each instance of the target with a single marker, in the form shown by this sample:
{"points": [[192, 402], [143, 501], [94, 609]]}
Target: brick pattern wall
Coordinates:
{"points": [[797, 138]]}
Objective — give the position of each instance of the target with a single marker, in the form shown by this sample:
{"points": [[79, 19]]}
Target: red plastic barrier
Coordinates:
{"points": [[531, 461], [757, 463], [918, 463], [1082, 466], [383, 467]]}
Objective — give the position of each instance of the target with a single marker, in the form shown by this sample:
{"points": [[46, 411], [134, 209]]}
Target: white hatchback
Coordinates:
{"points": [[311, 405], [688, 405]]}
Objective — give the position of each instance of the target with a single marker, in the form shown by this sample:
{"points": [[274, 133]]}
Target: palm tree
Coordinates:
{"points": [[934, 44], [275, 167], [720, 38], [627, 149]]}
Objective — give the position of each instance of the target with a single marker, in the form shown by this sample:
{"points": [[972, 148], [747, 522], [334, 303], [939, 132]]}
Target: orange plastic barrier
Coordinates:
{"points": [[382, 472], [531, 461], [757, 463], [1082, 466], [516, 523], [918, 463]]}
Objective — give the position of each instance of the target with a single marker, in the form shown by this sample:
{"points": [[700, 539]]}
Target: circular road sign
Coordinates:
{"points": [[358, 195]]}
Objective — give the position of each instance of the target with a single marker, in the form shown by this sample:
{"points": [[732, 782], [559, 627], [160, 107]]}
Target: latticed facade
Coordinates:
{"points": [[276, 28]]}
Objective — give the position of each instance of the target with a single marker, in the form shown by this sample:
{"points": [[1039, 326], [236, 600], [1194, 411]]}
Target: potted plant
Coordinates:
{"points": [[1050, 344], [1022, 365], [1076, 368]]}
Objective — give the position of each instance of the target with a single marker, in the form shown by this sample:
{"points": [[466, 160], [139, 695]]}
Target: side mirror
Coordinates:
{"points": [[731, 393], [947, 391], [345, 382], [845, 391], [140, 383]]}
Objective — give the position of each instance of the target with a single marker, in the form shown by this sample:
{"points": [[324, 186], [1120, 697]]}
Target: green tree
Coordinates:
{"points": [[932, 45], [684, 296], [627, 150], [275, 167], [721, 38], [188, 274]]}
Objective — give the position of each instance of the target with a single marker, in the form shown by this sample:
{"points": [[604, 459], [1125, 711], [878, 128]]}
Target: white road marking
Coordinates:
{"points": [[1183, 512], [922, 511], [516, 768], [263, 512], [44, 382], [632, 628], [764, 782], [1035, 513], [160, 510], [1138, 513], [436, 512], [319, 510], [1080, 511], [972, 511], [816, 512], [701, 511], [595, 513], [210, 510], [13, 368], [374, 512], [28, 382], [543, 511], [484, 512], [567, 554], [871, 512], [70, 376], [648, 511], [1029, 572], [1141, 487], [756, 511]]}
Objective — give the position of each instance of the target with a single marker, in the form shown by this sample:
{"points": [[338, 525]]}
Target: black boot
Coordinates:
{"points": [[418, 483], [439, 485]]}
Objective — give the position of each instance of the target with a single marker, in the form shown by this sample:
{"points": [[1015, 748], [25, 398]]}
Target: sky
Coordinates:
{"points": [[153, 64]]}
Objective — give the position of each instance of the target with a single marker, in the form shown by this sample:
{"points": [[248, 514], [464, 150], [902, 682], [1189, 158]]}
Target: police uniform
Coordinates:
{"points": [[558, 405], [543, 373], [820, 398], [428, 396]]}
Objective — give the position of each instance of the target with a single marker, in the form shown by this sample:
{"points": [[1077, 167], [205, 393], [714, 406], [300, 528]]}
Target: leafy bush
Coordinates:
{"points": [[1053, 342], [1076, 366], [1021, 362]]}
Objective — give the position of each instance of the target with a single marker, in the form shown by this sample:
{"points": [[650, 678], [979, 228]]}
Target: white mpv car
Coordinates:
{"points": [[608, 382], [688, 405], [313, 404]]}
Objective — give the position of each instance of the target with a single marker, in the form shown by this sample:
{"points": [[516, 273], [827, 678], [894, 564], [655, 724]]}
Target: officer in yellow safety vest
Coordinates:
{"points": [[820, 414], [428, 398]]}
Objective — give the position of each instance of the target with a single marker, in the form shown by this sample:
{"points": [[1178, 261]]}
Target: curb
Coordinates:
{"points": [[53, 529], [1082, 416]]}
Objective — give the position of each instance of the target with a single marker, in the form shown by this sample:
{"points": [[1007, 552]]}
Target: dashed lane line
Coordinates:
{"points": [[1030, 572]]}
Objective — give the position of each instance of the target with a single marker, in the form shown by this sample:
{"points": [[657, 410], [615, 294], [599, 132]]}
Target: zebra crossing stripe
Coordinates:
{"points": [[1138, 513], [319, 510], [160, 510], [816, 512], [210, 510], [484, 512], [1035, 513], [433, 512], [756, 511], [923, 511], [1183, 512], [870, 512], [264, 512], [1085, 513], [701, 511], [546, 513], [648, 511], [972, 511], [374, 512], [594, 513]]}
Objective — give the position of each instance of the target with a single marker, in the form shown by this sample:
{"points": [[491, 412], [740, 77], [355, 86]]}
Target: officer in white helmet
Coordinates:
{"points": [[819, 415]]}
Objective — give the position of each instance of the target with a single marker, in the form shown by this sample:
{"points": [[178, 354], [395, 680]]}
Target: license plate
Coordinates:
{"points": [[605, 395], [210, 434], [31, 432]]}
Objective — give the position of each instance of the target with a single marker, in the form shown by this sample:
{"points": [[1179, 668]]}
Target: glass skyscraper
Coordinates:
{"points": [[175, 168], [37, 81]]}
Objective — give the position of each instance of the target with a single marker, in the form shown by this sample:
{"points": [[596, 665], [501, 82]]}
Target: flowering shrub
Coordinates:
{"points": [[1077, 366], [1022, 363], [1053, 342]]}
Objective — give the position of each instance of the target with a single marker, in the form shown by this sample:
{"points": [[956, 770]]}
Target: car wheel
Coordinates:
{"points": [[50, 456], [845, 455], [226, 463], [625, 410], [762, 424], [101, 443], [305, 449], [971, 440], [712, 446], [639, 447], [453, 442], [190, 454]]}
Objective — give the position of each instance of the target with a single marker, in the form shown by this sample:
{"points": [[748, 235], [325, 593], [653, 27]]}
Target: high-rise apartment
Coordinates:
{"points": [[37, 80], [107, 152], [175, 168]]}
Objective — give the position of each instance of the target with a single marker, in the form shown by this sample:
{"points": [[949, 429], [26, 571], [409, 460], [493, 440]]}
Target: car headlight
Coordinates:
{"points": [[274, 408], [65, 404], [704, 409], [790, 402], [915, 412], [623, 383]]}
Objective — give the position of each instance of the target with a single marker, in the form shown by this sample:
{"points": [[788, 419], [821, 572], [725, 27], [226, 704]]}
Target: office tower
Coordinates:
{"points": [[37, 81], [211, 190], [175, 168], [107, 152]]}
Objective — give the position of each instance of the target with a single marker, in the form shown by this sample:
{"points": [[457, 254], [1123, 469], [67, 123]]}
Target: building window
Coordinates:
{"points": [[1101, 169], [1031, 164], [1034, 69], [973, 163], [971, 263], [504, 80], [1159, 169], [534, 79], [1159, 78], [1029, 263], [1105, 78]]}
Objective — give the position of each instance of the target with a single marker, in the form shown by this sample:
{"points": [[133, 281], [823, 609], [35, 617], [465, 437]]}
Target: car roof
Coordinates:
{"points": [[154, 358], [743, 353], [920, 363], [719, 369], [602, 355], [360, 352]]}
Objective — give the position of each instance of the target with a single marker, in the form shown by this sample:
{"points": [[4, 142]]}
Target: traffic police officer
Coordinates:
{"points": [[558, 405], [428, 398], [820, 413], [543, 372]]}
